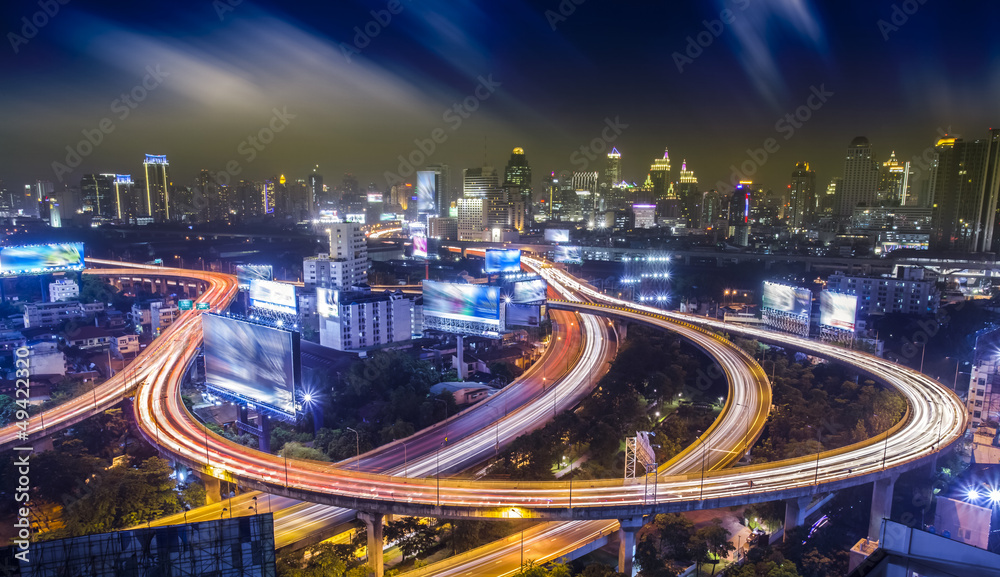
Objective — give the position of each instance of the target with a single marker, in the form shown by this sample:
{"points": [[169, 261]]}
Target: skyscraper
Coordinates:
{"points": [[98, 194], [315, 191], [517, 184], [659, 175], [739, 214], [894, 181], [587, 192], [689, 197], [613, 170], [157, 201], [965, 188], [860, 184], [801, 197], [484, 183], [445, 195]]}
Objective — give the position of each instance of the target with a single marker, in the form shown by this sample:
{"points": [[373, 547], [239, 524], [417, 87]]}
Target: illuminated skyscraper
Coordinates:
{"points": [[517, 185], [965, 190], [613, 170], [484, 183], [801, 197], [659, 175], [315, 191], [894, 182], [157, 201], [98, 196], [689, 197], [445, 195], [860, 184], [739, 214]]}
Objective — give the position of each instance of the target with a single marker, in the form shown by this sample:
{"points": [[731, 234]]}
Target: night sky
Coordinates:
{"points": [[225, 69]]}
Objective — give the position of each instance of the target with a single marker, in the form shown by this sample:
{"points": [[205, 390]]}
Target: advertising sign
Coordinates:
{"points": [[275, 296], [838, 310]]}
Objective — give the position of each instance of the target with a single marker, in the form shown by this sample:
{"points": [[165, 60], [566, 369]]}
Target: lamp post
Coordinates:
{"points": [[497, 409], [513, 510], [357, 444]]}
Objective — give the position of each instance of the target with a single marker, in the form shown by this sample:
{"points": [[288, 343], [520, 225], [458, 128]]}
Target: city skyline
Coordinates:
{"points": [[239, 70]]}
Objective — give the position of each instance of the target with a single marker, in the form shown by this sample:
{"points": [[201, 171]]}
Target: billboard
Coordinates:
{"points": [[838, 310], [41, 258], [787, 299], [557, 234], [528, 291], [273, 296], [419, 246], [254, 363], [426, 188], [503, 261], [247, 272], [569, 254], [518, 315], [462, 302], [327, 303], [185, 304]]}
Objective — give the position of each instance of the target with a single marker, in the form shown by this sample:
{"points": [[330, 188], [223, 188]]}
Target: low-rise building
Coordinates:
{"points": [[358, 320], [63, 289], [11, 341], [45, 358], [124, 343], [909, 293], [51, 314], [89, 338]]}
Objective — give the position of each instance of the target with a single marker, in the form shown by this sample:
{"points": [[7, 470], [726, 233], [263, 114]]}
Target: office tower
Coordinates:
{"points": [[351, 199], [826, 202], [445, 194], [860, 184], [315, 190], [689, 198], [585, 185], [517, 186], [472, 218], [98, 195], [484, 183], [894, 182], [553, 199], [965, 188], [711, 209], [124, 197], [739, 214], [613, 170], [157, 200], [267, 194], [348, 253], [801, 197], [659, 176]]}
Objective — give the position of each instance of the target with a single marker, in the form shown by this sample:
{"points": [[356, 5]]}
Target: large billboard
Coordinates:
{"points": [[247, 272], [254, 363], [41, 258], [462, 302], [527, 291], [502, 261], [327, 303], [426, 188], [569, 254], [557, 234], [787, 299], [273, 296], [838, 310], [517, 315], [419, 246]]}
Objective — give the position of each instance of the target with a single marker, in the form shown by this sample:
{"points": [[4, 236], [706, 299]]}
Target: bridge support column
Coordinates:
{"points": [[373, 528], [622, 331], [795, 514], [264, 440], [626, 543], [213, 489], [881, 505]]}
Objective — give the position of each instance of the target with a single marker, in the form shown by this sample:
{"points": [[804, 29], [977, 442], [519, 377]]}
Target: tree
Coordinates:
{"points": [[193, 495], [295, 450], [411, 536], [8, 410], [709, 541]]}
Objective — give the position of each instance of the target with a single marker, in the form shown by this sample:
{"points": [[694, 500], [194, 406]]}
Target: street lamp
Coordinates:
{"points": [[513, 510], [357, 444]]}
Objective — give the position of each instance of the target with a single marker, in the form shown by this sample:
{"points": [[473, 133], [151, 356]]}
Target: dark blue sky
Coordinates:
{"points": [[222, 78]]}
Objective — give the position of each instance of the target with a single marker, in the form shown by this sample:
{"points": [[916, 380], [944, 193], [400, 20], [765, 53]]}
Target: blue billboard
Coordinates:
{"points": [[528, 291], [426, 190], [502, 261], [462, 302], [569, 254], [41, 258]]}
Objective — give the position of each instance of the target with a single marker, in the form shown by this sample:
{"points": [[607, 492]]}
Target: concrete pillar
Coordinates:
{"points": [[626, 543], [373, 528], [264, 440], [213, 489], [459, 346], [622, 331], [881, 505], [795, 514]]}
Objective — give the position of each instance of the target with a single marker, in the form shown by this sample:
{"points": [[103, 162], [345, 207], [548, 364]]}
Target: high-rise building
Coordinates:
{"points": [[860, 184], [346, 265], [156, 204], [613, 170], [445, 195], [689, 198], [894, 181], [965, 188], [484, 183], [472, 218], [517, 186], [801, 197], [659, 175], [315, 191], [588, 198], [739, 214], [124, 197], [98, 194]]}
